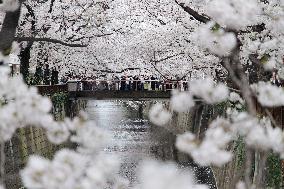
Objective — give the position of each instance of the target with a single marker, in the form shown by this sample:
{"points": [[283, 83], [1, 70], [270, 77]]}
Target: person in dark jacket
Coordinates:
{"points": [[123, 83], [46, 75], [153, 83], [54, 77]]}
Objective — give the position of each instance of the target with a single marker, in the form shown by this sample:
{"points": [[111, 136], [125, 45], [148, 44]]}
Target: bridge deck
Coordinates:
{"points": [[101, 95]]}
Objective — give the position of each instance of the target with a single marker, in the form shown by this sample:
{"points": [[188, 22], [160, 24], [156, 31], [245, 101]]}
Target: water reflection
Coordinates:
{"points": [[135, 139]]}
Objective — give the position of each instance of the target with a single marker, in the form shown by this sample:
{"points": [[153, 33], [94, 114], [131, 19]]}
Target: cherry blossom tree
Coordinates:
{"points": [[135, 35], [223, 32], [240, 36]]}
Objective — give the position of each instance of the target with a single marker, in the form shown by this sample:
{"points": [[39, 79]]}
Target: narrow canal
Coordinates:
{"points": [[134, 138]]}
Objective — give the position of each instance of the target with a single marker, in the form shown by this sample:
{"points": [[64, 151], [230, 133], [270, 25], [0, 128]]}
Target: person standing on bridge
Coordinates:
{"points": [[135, 83], [146, 83], [127, 81], [153, 83], [122, 83], [46, 75], [142, 82], [116, 80], [130, 83]]}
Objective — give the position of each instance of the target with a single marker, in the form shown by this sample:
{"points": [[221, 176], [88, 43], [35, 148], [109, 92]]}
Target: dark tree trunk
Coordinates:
{"points": [[25, 60], [7, 33]]}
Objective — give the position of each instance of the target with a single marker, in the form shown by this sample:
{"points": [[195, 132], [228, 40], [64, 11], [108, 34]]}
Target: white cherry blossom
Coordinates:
{"points": [[208, 90], [159, 115]]}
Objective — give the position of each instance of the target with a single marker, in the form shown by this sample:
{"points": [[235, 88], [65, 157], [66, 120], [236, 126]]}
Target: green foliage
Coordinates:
{"points": [[59, 98], [216, 27], [221, 108], [7, 51], [240, 152], [274, 172], [264, 59], [59, 101]]}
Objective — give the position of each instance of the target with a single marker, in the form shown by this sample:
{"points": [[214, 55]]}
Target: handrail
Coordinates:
{"points": [[122, 80]]}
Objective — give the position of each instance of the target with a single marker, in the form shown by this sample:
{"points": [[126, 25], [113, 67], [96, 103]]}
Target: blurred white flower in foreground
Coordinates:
{"points": [[233, 14], [33, 176], [212, 149], [216, 41], [156, 175], [236, 98], [9, 5], [72, 170], [159, 115], [208, 90], [258, 134], [90, 138], [241, 185], [181, 101], [269, 95]]}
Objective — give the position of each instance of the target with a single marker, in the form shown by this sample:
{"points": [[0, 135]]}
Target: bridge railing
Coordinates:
{"points": [[126, 85], [51, 89]]}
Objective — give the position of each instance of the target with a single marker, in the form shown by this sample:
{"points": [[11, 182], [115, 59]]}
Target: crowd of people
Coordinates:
{"points": [[45, 76], [132, 83]]}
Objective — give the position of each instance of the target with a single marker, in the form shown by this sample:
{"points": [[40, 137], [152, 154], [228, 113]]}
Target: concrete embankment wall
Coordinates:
{"points": [[197, 120], [33, 140]]}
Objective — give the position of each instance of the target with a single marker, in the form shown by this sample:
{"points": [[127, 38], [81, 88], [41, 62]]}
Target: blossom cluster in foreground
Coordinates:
{"points": [[212, 150], [257, 133], [9, 5], [204, 89], [156, 175], [71, 170]]}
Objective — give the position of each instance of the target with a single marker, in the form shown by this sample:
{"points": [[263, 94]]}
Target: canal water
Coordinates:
{"points": [[134, 138]]}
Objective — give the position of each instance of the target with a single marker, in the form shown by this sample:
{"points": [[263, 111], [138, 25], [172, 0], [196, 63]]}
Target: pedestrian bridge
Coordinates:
{"points": [[117, 89], [133, 95], [103, 89]]}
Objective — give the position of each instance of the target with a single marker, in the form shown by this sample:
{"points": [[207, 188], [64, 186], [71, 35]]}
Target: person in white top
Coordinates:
{"points": [[127, 83], [142, 82]]}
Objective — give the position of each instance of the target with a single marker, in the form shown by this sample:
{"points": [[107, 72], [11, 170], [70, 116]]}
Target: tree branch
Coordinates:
{"points": [[51, 6], [168, 57], [193, 13], [112, 71], [103, 35], [49, 40], [8, 30]]}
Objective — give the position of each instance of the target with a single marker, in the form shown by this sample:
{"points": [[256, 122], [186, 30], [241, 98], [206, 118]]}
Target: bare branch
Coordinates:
{"points": [[193, 13], [103, 35], [255, 28], [154, 65], [49, 40], [112, 71], [168, 57], [51, 6]]}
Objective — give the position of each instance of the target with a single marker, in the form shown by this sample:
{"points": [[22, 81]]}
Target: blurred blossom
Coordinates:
{"points": [[157, 175], [159, 115], [209, 91], [181, 101]]}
